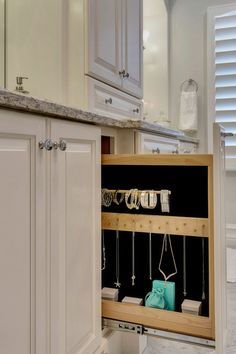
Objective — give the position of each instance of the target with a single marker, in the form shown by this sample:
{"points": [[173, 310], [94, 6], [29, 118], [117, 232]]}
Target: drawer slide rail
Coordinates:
{"points": [[139, 329]]}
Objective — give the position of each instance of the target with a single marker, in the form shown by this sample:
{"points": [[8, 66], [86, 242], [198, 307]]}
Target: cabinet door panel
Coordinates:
{"points": [[104, 40], [15, 245], [133, 46], [23, 322], [75, 239]]}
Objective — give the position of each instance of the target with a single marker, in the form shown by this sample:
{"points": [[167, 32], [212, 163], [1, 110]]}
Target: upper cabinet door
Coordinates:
{"points": [[75, 239], [104, 40], [115, 49], [132, 41]]}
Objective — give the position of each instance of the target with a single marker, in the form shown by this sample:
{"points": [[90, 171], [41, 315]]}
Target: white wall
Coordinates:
{"points": [[1, 43], [155, 24], [188, 57], [35, 35], [230, 197]]}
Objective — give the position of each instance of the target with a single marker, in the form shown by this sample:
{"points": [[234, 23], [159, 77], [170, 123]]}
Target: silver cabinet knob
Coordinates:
{"points": [[48, 145], [124, 74], [136, 110], [62, 145], [108, 100]]}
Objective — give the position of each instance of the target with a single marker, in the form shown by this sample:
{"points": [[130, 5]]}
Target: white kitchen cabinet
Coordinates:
{"points": [[75, 239], [155, 144], [132, 45], [108, 101], [49, 240], [23, 236], [115, 44], [187, 147], [104, 40]]}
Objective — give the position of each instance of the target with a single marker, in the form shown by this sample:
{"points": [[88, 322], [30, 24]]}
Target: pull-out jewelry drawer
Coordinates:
{"points": [[189, 223]]}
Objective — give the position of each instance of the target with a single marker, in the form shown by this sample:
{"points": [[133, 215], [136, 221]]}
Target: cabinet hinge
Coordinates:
{"points": [[139, 329]]}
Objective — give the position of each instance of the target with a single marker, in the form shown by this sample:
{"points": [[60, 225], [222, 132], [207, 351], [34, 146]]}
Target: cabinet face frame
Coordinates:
{"points": [[167, 320]]}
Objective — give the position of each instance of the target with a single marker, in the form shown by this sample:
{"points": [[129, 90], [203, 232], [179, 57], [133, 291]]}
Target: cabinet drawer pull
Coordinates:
{"points": [[108, 100], [156, 151], [175, 151], [136, 110]]}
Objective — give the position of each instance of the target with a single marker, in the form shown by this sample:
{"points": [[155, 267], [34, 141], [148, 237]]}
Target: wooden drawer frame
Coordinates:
{"points": [[198, 326]]}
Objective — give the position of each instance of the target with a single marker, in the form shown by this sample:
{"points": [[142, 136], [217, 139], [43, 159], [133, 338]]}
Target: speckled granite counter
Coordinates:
{"points": [[20, 102]]}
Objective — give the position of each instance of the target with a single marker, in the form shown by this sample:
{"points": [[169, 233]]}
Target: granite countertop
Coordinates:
{"points": [[26, 103]]}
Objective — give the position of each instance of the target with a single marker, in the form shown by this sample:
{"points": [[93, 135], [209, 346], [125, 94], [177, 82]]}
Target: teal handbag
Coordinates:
{"points": [[162, 295]]}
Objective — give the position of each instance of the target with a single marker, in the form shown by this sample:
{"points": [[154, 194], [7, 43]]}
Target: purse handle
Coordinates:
{"points": [[164, 244]]}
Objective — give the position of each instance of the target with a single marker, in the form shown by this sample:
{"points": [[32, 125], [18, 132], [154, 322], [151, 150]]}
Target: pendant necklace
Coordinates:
{"points": [[150, 256], [103, 252], [133, 259], [117, 283]]}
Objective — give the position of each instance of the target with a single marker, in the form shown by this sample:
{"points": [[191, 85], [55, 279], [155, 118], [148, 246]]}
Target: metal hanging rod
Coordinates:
{"points": [[127, 190]]}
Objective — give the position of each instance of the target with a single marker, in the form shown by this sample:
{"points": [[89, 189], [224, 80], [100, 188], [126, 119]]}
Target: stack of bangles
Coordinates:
{"points": [[133, 198]]}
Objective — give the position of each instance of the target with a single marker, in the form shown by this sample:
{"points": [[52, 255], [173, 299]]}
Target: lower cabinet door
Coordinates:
{"points": [[23, 320], [75, 239]]}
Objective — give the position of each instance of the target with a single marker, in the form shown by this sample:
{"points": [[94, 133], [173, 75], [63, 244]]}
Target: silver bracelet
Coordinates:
{"points": [[117, 200], [132, 199], [106, 197], [129, 199], [148, 199]]}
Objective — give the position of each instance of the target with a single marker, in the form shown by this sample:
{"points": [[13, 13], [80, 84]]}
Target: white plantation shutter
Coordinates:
{"points": [[225, 81]]}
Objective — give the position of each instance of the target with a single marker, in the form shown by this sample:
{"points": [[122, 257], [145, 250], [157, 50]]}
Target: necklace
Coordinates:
{"points": [[117, 283], [184, 267], [167, 238], [203, 270], [133, 259], [150, 256], [103, 251]]}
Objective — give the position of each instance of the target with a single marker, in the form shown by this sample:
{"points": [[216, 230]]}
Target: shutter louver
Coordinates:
{"points": [[225, 81]]}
